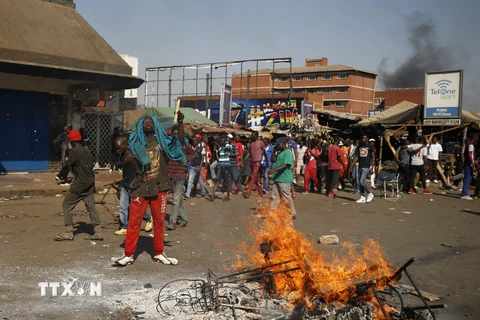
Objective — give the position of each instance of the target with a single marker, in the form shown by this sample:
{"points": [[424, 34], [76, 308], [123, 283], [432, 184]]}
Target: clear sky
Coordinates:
{"points": [[357, 33]]}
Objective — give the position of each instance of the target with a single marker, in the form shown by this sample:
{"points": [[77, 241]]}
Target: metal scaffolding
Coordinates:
{"points": [[198, 82]]}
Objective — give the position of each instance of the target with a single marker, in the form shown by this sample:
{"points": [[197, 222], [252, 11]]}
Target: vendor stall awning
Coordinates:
{"points": [[54, 41], [338, 116], [165, 117], [404, 112], [471, 117]]}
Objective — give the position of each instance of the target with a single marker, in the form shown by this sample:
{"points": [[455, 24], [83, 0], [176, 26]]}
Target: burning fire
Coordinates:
{"points": [[330, 276]]}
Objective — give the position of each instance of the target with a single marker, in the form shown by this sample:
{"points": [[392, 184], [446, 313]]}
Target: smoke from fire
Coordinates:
{"points": [[428, 54]]}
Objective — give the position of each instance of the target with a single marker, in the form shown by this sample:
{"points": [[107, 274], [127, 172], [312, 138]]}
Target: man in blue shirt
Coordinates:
{"points": [[195, 170], [267, 163]]}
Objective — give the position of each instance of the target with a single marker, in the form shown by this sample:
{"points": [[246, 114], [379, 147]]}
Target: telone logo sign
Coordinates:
{"points": [[443, 95], [70, 289], [443, 90]]}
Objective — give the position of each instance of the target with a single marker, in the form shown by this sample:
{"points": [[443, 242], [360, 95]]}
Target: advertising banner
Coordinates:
{"points": [[88, 98], [225, 103], [261, 112], [443, 95]]}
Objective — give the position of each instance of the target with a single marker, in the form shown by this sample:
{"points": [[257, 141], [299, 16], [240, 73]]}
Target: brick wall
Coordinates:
{"points": [[393, 97]]}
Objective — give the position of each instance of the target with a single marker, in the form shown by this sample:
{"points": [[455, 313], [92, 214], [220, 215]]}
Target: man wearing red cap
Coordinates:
{"points": [[80, 160]]}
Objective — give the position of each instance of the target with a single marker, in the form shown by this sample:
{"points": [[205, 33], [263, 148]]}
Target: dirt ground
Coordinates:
{"points": [[440, 230]]}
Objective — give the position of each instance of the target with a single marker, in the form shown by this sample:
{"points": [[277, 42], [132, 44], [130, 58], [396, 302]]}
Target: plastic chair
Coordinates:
{"points": [[391, 188]]}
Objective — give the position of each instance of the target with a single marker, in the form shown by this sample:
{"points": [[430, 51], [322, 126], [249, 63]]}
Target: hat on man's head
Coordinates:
{"points": [[230, 136], [74, 135], [280, 140], [371, 140], [198, 136], [340, 144]]}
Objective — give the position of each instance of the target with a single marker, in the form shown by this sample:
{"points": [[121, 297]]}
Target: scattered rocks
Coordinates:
{"points": [[328, 239]]}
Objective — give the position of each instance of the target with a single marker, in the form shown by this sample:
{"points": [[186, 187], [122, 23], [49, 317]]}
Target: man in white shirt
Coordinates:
{"points": [[418, 165], [300, 170], [434, 155]]}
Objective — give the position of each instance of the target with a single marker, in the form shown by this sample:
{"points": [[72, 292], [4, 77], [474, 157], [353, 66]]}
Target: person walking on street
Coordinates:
{"points": [[335, 162], [114, 161], [255, 152], [223, 155], [177, 172], [469, 165], [311, 168], [267, 163], [434, 156], [365, 158], [195, 171], [234, 169], [64, 151], [153, 147], [418, 165], [126, 184], [82, 188], [282, 175]]}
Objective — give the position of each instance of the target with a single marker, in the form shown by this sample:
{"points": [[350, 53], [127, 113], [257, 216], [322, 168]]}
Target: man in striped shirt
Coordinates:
{"points": [[223, 157]]}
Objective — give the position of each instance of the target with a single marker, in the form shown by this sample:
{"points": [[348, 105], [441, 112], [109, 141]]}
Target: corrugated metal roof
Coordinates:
{"points": [[337, 116], [320, 69], [394, 111], [471, 117], [165, 116]]}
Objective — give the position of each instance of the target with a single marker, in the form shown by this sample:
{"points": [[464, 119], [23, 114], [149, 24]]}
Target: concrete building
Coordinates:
{"points": [[334, 87], [54, 69]]}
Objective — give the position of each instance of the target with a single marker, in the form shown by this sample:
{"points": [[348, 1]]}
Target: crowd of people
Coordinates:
{"points": [[154, 161]]}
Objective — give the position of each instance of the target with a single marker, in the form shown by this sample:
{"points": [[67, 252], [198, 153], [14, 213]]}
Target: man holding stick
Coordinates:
{"points": [[154, 148]]}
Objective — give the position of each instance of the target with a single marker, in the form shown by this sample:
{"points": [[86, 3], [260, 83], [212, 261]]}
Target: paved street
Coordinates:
{"points": [[440, 230]]}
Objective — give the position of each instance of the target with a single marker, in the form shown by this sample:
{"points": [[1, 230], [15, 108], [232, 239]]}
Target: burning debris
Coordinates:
{"points": [[284, 277]]}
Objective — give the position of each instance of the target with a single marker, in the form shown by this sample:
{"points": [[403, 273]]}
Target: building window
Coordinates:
{"points": [[377, 101], [342, 76], [342, 89], [327, 103], [297, 78], [327, 76], [283, 79], [312, 77], [341, 103], [297, 90], [312, 90], [327, 90]]}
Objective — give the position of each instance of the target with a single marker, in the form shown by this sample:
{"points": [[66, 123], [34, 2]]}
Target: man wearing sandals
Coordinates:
{"points": [[154, 148], [82, 188]]}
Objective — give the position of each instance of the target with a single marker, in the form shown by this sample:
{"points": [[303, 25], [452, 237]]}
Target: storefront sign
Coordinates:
{"points": [[371, 113], [443, 122], [443, 94]]}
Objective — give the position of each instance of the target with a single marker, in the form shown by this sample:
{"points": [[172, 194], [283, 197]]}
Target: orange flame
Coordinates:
{"points": [[331, 276]]}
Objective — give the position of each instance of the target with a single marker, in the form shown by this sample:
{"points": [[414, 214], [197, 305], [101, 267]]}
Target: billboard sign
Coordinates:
{"points": [[443, 95], [225, 102], [276, 112]]}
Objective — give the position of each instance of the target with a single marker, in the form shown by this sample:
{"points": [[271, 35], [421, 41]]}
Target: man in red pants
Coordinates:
{"points": [[153, 148], [311, 168], [255, 151]]}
